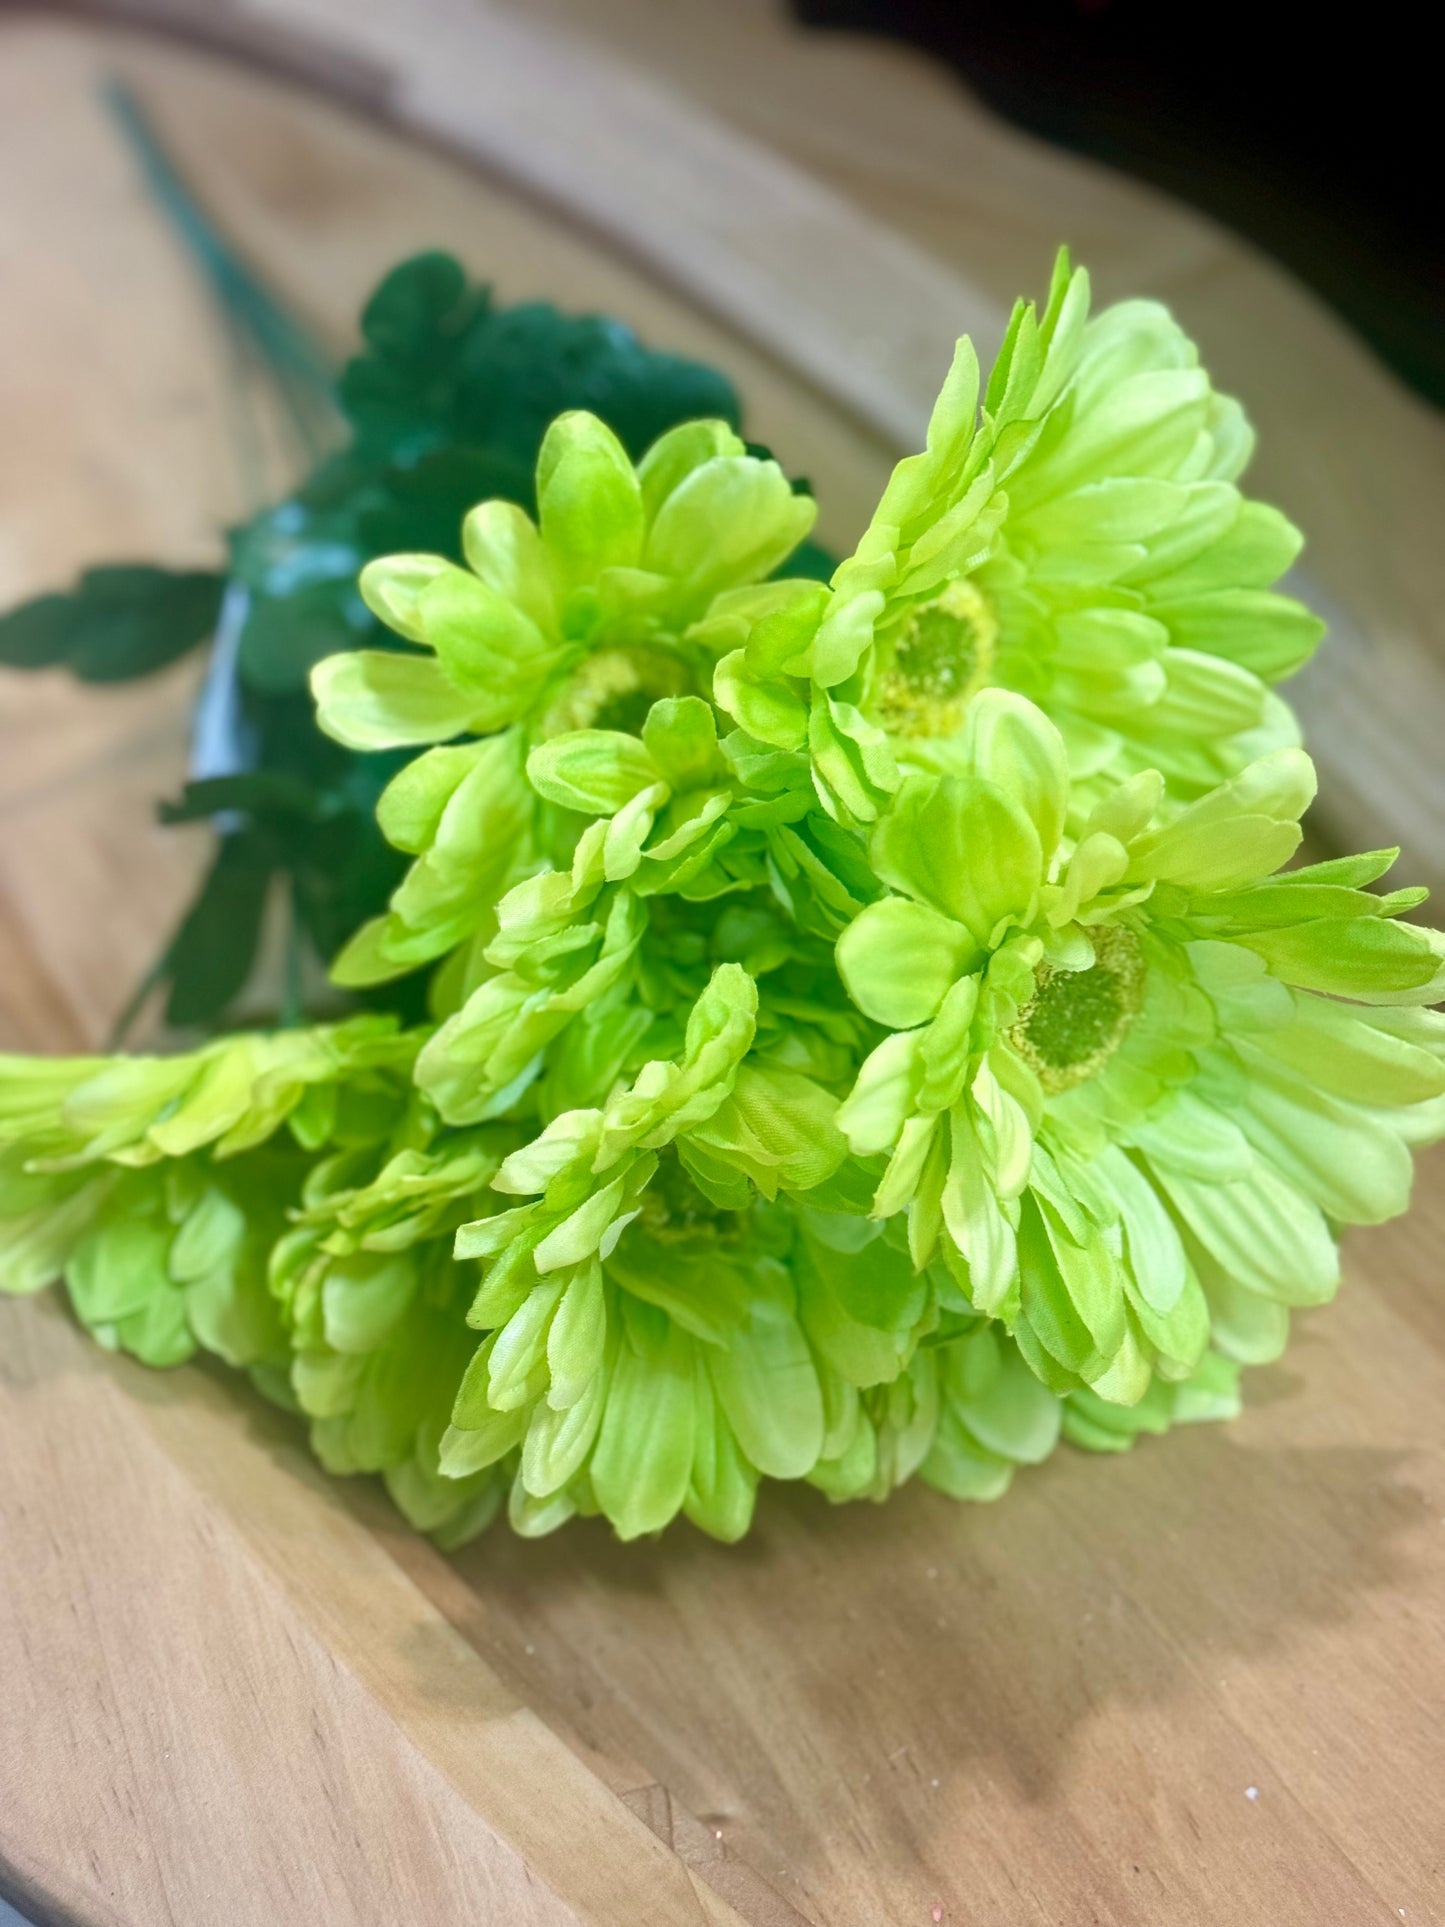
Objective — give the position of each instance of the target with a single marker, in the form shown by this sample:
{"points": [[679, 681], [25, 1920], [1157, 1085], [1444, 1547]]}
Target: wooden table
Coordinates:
{"points": [[1200, 1684]]}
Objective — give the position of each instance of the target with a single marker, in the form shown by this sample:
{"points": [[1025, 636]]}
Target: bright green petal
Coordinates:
{"points": [[767, 1385], [380, 699], [963, 846], [642, 1463], [588, 498], [900, 958]]}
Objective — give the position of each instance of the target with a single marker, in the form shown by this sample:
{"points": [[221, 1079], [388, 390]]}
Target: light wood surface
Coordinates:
{"points": [[1202, 1684]]}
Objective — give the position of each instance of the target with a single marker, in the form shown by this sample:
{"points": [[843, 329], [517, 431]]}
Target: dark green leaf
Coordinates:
{"points": [[418, 302], [522, 366], [120, 621], [419, 508], [811, 562], [284, 637], [344, 871], [214, 949], [263, 793]]}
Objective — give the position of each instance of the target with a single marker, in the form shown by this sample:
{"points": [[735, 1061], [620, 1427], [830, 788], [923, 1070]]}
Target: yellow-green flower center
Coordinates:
{"points": [[614, 689], [1076, 1019], [942, 655]]}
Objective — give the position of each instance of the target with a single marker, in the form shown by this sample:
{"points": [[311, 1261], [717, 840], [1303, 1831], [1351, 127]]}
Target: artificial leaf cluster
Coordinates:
{"points": [[872, 1029]]}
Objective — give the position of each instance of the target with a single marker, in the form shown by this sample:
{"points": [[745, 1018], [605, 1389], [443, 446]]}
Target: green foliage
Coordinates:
{"points": [[118, 622], [444, 368]]}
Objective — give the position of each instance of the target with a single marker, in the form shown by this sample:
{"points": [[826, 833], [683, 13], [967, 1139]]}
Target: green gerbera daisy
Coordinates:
{"points": [[157, 1261], [1080, 540], [574, 623], [157, 1187], [697, 861], [644, 1352], [1133, 1080]]}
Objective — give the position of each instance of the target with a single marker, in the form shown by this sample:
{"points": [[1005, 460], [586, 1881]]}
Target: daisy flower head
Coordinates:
{"points": [[1073, 532], [643, 1353], [578, 621], [156, 1187], [1134, 1078]]}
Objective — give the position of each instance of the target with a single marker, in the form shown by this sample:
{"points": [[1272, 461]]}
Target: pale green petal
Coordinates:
{"points": [[957, 1466], [485, 645], [1014, 746], [411, 806], [731, 520], [1270, 635], [1245, 1324], [963, 846], [596, 771], [767, 708], [589, 500], [1156, 1257], [158, 1334], [998, 1400], [516, 1365], [778, 1128], [675, 455], [1366, 1057], [1352, 1164], [118, 1268], [767, 1385], [875, 1110], [680, 734], [723, 1487], [1261, 1232], [576, 1337], [1355, 957], [977, 1221], [558, 1441], [504, 549], [844, 634], [859, 1306], [642, 1462], [363, 1298], [392, 587], [667, 1096], [1245, 829], [899, 959], [382, 699]]}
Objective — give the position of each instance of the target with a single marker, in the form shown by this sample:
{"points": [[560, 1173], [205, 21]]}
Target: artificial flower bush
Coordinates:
{"points": [[872, 1030]]}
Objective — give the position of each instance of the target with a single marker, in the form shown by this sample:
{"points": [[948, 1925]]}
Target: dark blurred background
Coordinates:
{"points": [[1310, 131]]}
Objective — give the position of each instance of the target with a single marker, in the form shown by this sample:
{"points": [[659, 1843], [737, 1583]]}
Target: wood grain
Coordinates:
{"points": [[233, 1691], [138, 1597]]}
